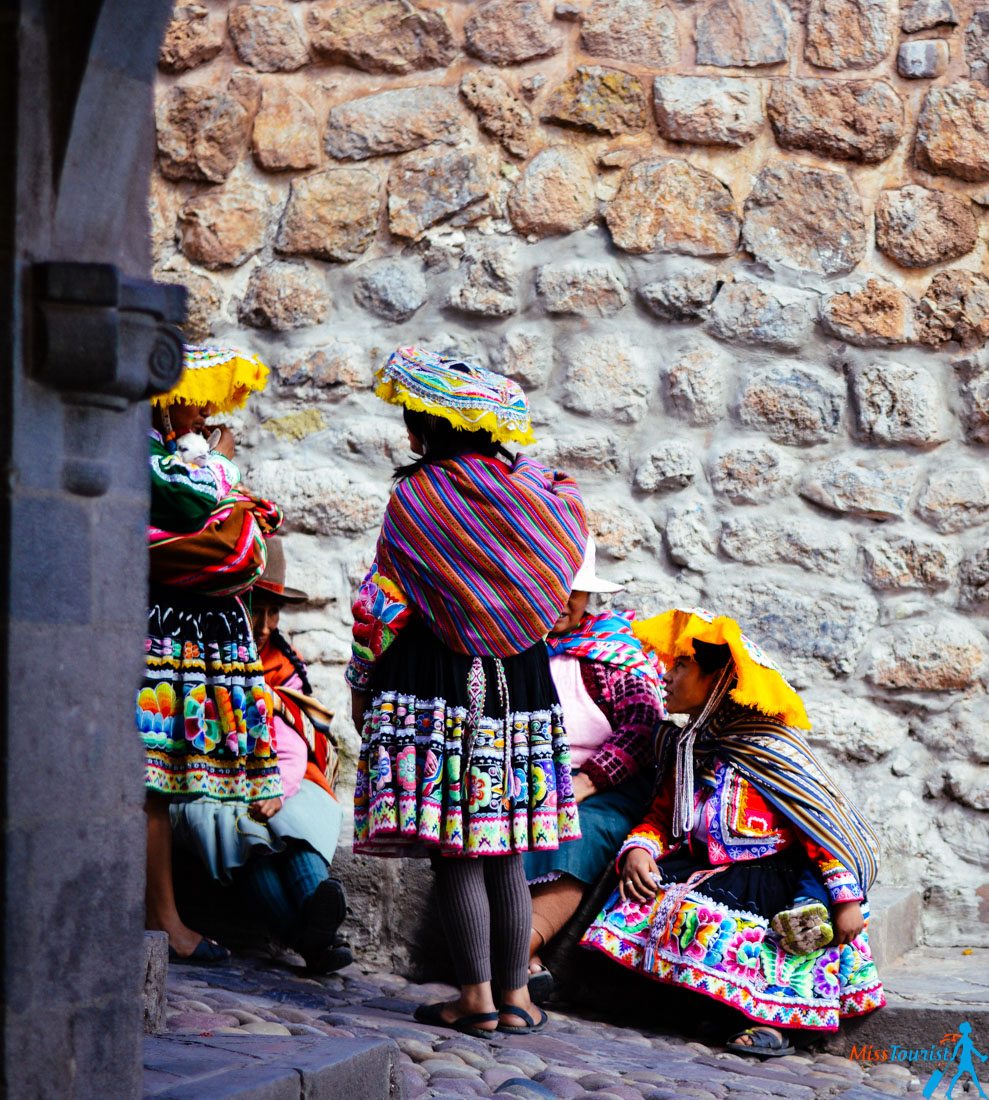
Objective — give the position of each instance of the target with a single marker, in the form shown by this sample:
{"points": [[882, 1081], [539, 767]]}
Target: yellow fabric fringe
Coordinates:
{"points": [[395, 394], [225, 386], [672, 634]]}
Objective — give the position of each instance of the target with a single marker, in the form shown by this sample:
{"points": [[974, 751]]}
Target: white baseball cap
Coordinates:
{"points": [[586, 579]]}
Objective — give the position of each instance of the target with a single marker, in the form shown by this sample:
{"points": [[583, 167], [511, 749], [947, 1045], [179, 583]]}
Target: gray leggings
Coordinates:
{"points": [[487, 914]]}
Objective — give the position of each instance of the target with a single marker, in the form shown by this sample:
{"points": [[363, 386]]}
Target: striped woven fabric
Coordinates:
{"points": [[781, 765], [484, 551]]}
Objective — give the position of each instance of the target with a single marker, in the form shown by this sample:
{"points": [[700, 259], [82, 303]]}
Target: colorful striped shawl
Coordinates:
{"points": [[607, 638], [782, 767], [484, 551]]}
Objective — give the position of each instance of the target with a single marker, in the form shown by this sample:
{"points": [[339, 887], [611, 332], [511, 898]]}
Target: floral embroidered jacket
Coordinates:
{"points": [[740, 824]]}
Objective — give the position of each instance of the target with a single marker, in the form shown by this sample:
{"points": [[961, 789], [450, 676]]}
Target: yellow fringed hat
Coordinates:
{"points": [[468, 396], [219, 376], [760, 685]]}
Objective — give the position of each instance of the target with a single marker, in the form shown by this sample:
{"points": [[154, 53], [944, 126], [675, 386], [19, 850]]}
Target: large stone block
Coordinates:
{"points": [[792, 404], [191, 39], [752, 473], [527, 356], [903, 562], [873, 313], [977, 45], [618, 530], [743, 33], [973, 377], [267, 37], [583, 288], [285, 134], [554, 193], [763, 313], [943, 653], [426, 188], [848, 34], [955, 306], [899, 404], [853, 728], [597, 452], [386, 36], [697, 384], [924, 59], [336, 369], [606, 377], [860, 120], [956, 496], [813, 630], [332, 215], [224, 227], [391, 289], [959, 733], [689, 534], [815, 546], [202, 132], [863, 487], [951, 131], [973, 591], [807, 219], [605, 101], [284, 296], [643, 32], [203, 304], [708, 110], [668, 205], [667, 468], [681, 297], [925, 15], [506, 32], [393, 122], [325, 500], [490, 278], [500, 112], [918, 227]]}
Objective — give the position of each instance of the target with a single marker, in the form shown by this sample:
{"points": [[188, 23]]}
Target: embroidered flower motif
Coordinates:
{"points": [[520, 787], [742, 955], [382, 771], [405, 768], [825, 978], [480, 791], [706, 943]]}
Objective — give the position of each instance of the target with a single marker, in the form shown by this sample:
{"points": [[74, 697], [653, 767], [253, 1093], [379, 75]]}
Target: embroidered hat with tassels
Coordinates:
{"points": [[760, 683], [221, 377], [468, 396]]}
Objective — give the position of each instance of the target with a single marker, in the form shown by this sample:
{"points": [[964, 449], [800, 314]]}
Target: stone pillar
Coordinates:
{"points": [[75, 81]]}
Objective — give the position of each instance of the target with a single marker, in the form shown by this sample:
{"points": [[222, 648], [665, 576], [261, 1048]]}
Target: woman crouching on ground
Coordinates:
{"points": [[463, 754], [612, 702], [747, 826]]}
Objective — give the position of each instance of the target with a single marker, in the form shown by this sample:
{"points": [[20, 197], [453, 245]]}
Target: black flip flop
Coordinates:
{"points": [[531, 1027], [207, 953], [467, 1025], [765, 1044], [541, 986]]}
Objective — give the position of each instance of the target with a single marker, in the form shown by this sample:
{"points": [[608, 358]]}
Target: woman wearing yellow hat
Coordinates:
{"points": [[744, 823]]}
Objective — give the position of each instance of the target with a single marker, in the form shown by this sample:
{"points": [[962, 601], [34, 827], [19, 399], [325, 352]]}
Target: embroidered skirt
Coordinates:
{"points": [[462, 756], [203, 708], [709, 932]]}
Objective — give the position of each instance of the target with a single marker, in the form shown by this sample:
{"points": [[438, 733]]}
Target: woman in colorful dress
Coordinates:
{"points": [[463, 754], [743, 815], [610, 690], [282, 863], [203, 709]]}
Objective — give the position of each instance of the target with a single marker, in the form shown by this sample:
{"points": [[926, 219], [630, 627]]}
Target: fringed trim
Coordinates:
{"points": [[218, 376]]}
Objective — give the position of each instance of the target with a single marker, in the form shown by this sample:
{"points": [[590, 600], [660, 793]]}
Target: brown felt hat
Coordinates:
{"points": [[272, 580]]}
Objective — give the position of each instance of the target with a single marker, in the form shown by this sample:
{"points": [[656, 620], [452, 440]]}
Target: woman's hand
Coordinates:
{"points": [[848, 921], [359, 702], [225, 444], [636, 882], [583, 787], [265, 809]]}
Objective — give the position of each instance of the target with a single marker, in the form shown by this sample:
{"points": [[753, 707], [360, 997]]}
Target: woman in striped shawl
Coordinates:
{"points": [[746, 826], [463, 751]]}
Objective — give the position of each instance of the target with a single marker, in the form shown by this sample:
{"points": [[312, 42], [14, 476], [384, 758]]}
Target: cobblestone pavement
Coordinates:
{"points": [[575, 1056]]}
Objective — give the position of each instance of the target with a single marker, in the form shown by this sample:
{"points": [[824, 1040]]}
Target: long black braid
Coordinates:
{"points": [[281, 643]]}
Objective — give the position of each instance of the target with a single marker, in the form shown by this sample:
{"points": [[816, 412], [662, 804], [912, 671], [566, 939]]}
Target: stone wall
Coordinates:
{"points": [[734, 250]]}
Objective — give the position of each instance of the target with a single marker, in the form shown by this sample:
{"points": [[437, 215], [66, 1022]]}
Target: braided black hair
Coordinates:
{"points": [[281, 643]]}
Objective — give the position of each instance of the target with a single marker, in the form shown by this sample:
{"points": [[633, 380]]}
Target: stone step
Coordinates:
{"points": [[894, 923], [155, 978], [929, 992], [269, 1067]]}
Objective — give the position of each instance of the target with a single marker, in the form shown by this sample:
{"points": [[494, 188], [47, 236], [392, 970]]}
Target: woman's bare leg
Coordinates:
{"points": [[161, 914], [553, 904]]}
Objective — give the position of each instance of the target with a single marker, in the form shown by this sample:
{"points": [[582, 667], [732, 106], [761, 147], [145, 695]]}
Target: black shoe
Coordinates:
{"points": [[323, 913], [541, 985], [330, 959]]}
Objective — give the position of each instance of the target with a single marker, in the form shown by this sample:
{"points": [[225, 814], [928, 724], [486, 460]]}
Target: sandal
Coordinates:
{"points": [[467, 1025], [541, 986], [531, 1027], [207, 953], [765, 1043]]}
